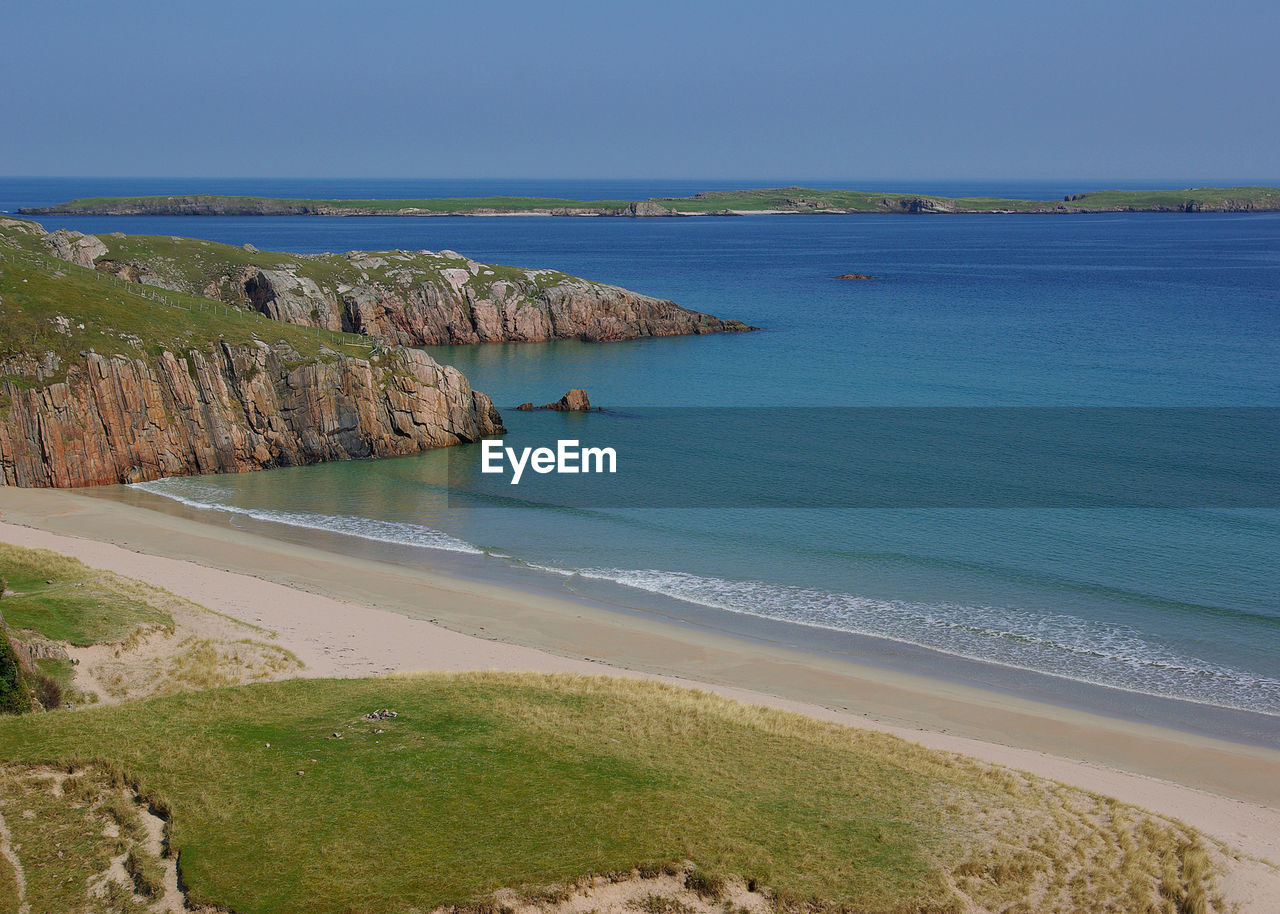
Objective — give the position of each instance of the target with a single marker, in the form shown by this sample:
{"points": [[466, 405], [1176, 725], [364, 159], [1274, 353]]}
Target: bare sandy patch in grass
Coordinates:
{"points": [[202, 650], [84, 840]]}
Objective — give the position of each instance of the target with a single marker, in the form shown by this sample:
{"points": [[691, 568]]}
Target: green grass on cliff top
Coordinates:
{"points": [[50, 305], [202, 268], [525, 781], [197, 264]]}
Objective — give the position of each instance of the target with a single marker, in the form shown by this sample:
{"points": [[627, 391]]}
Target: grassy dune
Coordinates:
{"points": [[119, 638], [524, 781], [62, 599]]}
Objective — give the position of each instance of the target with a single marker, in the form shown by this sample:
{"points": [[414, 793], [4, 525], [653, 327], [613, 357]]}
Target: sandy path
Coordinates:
{"points": [[338, 637], [19, 876]]}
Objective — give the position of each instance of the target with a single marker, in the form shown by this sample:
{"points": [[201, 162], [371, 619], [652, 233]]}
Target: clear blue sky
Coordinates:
{"points": [[642, 89]]}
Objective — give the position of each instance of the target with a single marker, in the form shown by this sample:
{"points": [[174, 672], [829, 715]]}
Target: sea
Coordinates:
{"points": [[1167, 614]]}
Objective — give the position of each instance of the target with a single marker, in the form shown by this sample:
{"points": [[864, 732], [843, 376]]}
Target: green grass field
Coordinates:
{"points": [[525, 781], [63, 599]]}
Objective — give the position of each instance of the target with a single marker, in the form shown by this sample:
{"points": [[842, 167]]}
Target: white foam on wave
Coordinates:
{"points": [[1055, 644], [209, 498]]}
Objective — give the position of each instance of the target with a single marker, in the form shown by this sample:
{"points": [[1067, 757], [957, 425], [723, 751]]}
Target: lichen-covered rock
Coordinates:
{"points": [[463, 305], [231, 409], [76, 247]]}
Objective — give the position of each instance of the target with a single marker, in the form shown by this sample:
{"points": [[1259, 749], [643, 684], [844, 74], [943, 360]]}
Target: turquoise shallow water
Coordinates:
{"points": [[1114, 310]]}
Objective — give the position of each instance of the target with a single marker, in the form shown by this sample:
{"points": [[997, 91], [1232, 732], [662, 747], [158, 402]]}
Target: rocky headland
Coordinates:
{"points": [[102, 381], [128, 358], [407, 298]]}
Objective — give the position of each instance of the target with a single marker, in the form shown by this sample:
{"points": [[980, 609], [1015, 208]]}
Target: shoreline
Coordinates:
{"points": [[351, 616], [838, 646]]}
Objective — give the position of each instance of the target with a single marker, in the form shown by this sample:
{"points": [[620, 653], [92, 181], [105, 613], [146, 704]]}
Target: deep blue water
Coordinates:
{"points": [[1107, 310]]}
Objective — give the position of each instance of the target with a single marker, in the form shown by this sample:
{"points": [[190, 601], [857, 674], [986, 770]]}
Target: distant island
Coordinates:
{"points": [[782, 200]]}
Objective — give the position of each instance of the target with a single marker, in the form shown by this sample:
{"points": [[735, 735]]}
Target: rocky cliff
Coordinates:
{"points": [[231, 409], [405, 298], [104, 382], [425, 298]]}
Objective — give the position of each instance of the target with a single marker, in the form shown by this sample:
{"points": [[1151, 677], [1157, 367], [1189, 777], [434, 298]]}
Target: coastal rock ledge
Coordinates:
{"points": [[401, 298], [231, 409]]}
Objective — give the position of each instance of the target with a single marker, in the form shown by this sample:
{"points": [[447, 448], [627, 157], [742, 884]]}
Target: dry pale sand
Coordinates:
{"points": [[346, 616]]}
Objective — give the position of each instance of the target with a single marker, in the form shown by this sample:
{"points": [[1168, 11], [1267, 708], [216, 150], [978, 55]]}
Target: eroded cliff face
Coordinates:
{"points": [[418, 298], [231, 409], [400, 301]]}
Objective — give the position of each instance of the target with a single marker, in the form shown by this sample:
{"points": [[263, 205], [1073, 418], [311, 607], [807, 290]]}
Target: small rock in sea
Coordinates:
{"points": [[575, 401], [854, 276]]}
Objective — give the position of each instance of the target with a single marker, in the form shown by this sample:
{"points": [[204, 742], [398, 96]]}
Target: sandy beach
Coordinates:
{"points": [[348, 616]]}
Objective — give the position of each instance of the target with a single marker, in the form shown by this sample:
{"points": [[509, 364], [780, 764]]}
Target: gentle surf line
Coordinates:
{"points": [[1051, 644]]}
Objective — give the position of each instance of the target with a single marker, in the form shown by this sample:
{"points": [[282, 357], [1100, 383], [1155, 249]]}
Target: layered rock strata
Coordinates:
{"points": [[231, 409]]}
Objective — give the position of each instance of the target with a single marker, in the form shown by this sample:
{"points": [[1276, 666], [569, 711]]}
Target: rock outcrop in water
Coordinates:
{"points": [[575, 401], [231, 409], [403, 298]]}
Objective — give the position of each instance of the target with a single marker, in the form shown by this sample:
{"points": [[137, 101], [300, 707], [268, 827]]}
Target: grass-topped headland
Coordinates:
{"points": [[409, 298], [734, 202], [285, 797], [53, 306], [105, 378]]}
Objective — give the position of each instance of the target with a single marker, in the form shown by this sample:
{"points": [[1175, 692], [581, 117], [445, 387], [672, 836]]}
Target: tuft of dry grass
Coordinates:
{"points": [[146, 872], [652, 903], [708, 885], [187, 662]]}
